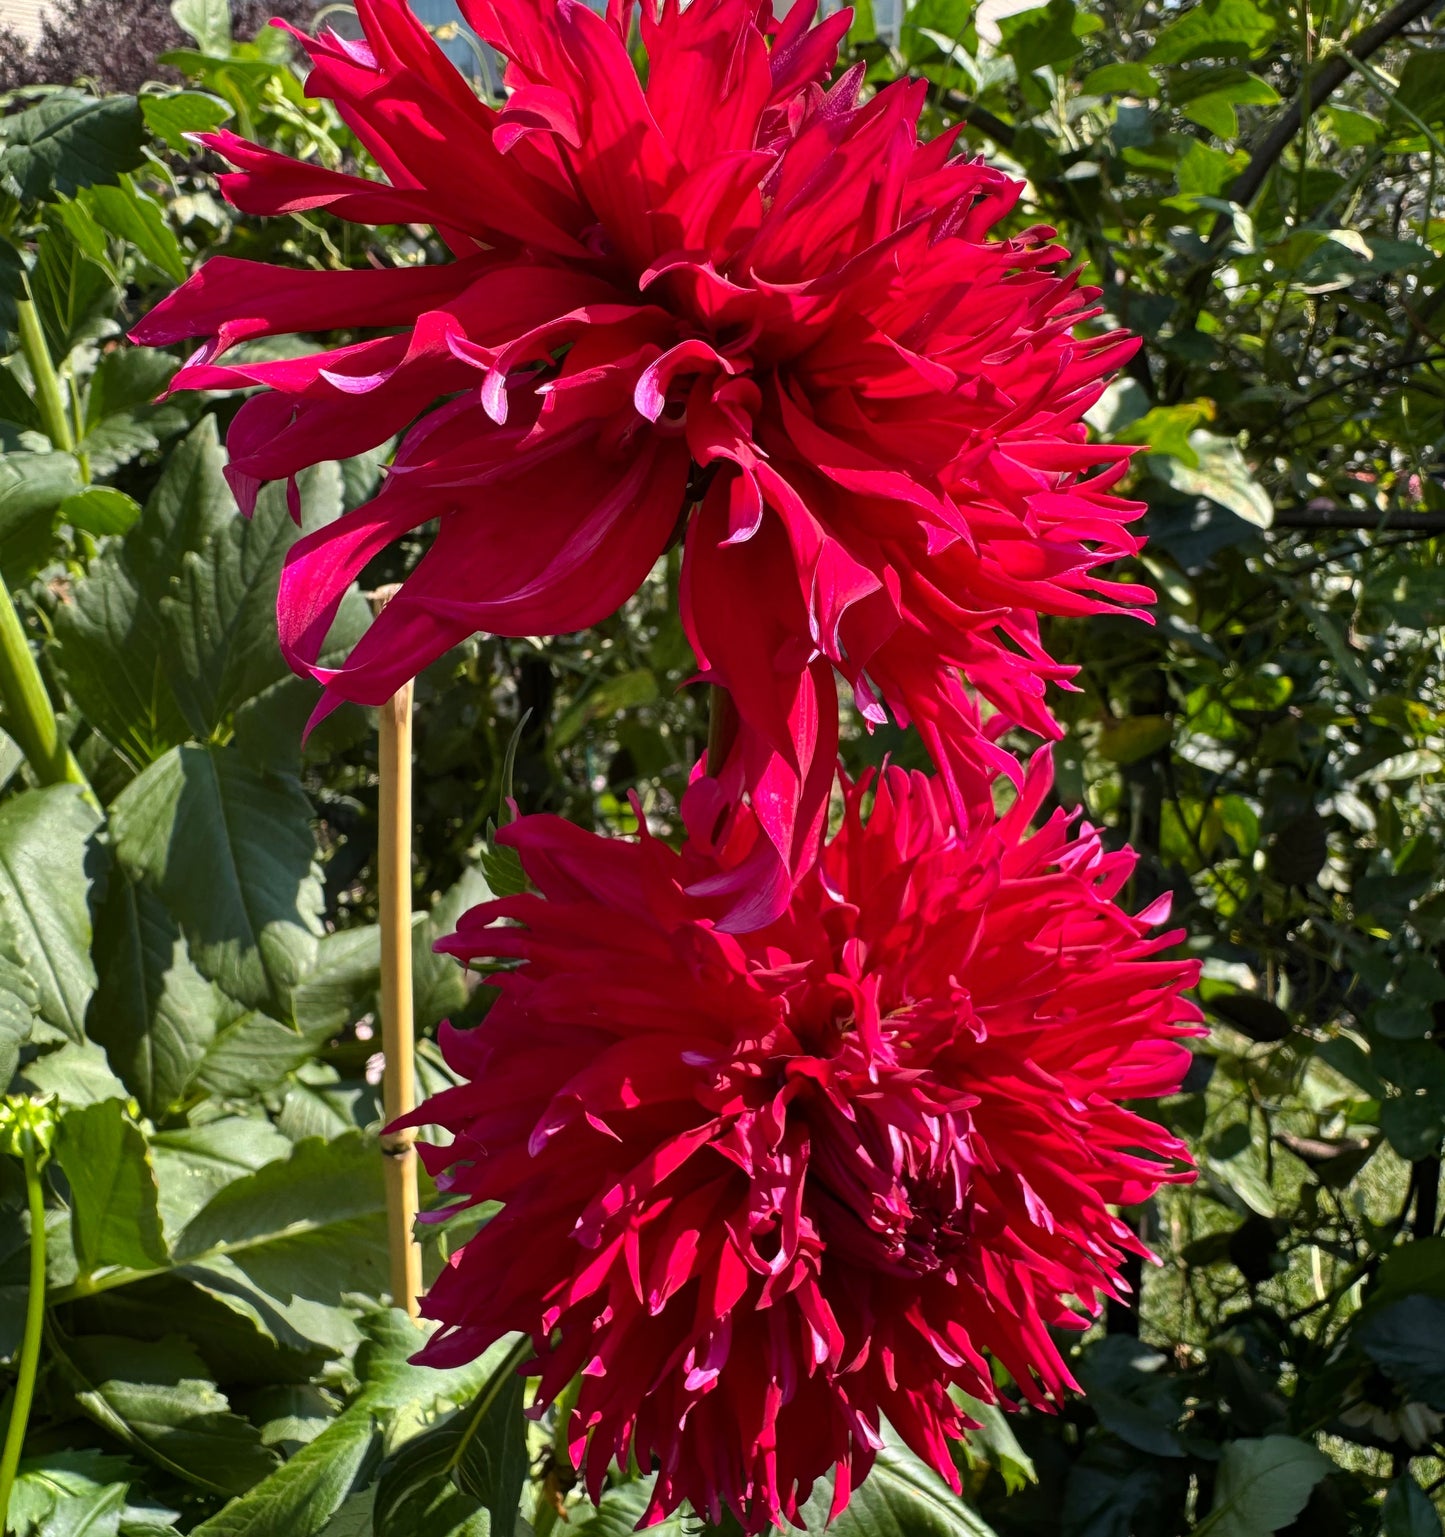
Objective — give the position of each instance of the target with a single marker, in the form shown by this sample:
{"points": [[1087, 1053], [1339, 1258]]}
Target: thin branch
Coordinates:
{"points": [[1425, 524], [1372, 371], [1324, 82], [965, 107], [1322, 85]]}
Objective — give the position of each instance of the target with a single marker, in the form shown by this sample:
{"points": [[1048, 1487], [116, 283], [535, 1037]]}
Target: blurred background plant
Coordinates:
{"points": [[188, 958]]}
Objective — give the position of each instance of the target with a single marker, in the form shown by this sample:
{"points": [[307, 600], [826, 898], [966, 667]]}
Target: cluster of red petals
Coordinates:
{"points": [[761, 1190], [729, 296]]}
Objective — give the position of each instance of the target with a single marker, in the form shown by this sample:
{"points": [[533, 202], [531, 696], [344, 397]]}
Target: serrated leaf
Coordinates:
{"points": [[236, 1351], [391, 1381], [299, 1498], [137, 218], [114, 1215], [70, 141], [221, 614], [901, 1497], [1220, 473], [1262, 1486], [33, 487], [308, 1328], [342, 984], [229, 850], [270, 725], [75, 294], [173, 631], [172, 117], [193, 1163], [464, 1477], [1408, 1512], [291, 1415], [48, 864], [19, 998], [416, 1492], [1406, 1340], [312, 1224], [490, 1462], [251, 1053], [12, 286], [100, 510], [152, 1011], [621, 1510], [501, 866], [156, 1397], [353, 1517], [76, 1074], [1216, 29], [127, 435], [439, 985], [68, 1494], [125, 380], [115, 652], [208, 21]]}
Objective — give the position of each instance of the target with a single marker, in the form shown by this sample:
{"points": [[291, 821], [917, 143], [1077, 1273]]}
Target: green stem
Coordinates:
{"points": [[49, 400], [722, 727], [82, 457], [34, 1317], [29, 715]]}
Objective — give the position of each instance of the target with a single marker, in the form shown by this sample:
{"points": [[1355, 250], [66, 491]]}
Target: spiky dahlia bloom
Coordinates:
{"points": [[760, 1190], [729, 298]]}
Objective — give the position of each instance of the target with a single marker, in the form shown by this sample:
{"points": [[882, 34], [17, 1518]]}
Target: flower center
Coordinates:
{"points": [[891, 1183], [918, 1230]]}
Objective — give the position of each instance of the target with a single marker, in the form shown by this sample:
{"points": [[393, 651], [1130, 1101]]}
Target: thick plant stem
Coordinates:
{"points": [[398, 1036], [49, 400], [29, 1362], [722, 727], [29, 715]]}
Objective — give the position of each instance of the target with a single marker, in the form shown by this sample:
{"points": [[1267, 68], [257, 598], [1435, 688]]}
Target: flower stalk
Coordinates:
{"points": [[49, 398], [29, 714], [27, 1125]]}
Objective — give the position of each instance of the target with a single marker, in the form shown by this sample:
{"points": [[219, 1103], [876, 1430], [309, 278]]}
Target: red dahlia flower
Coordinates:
{"points": [[728, 295], [762, 1190]]}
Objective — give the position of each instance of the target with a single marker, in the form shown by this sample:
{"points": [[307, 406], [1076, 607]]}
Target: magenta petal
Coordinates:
{"points": [[277, 301], [882, 396], [547, 557]]}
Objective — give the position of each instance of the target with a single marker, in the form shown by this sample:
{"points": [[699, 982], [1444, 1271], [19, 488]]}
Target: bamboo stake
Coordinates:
{"points": [[398, 1039]]}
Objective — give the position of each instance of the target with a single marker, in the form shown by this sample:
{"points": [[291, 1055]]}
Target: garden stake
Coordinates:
{"points": [[398, 1043]]}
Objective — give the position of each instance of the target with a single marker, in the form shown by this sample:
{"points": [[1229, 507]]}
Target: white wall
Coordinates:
{"points": [[22, 16]]}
